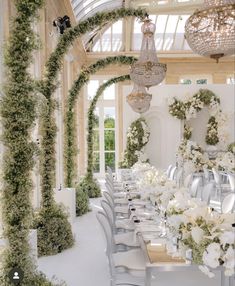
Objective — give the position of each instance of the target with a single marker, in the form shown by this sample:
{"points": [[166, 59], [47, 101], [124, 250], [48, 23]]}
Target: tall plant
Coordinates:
{"points": [[18, 115], [83, 78]]}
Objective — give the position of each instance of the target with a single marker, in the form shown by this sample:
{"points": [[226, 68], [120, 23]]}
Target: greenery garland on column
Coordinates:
{"points": [[18, 115], [89, 184], [70, 149], [47, 87], [137, 137]]}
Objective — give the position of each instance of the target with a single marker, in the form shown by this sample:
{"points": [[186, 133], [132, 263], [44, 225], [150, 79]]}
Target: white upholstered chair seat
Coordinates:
{"points": [[132, 259], [127, 238], [121, 201]]}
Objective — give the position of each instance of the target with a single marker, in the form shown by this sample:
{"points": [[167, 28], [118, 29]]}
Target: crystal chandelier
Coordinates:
{"points": [[139, 99], [147, 71], [210, 31]]}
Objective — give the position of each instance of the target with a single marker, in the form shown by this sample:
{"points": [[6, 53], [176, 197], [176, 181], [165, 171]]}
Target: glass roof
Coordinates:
{"points": [[86, 8], [169, 35]]}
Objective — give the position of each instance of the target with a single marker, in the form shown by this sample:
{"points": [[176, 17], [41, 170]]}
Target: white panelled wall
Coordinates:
{"points": [[166, 131]]}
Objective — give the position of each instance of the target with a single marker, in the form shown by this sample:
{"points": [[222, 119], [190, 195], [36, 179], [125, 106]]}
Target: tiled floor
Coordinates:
{"points": [[85, 264]]}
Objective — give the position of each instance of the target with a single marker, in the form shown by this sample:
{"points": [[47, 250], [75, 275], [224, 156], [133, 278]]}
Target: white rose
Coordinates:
{"points": [[227, 237], [211, 255], [197, 234]]}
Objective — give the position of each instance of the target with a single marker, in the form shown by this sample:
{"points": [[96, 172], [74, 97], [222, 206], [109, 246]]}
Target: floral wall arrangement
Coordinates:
{"points": [[216, 127], [137, 137]]}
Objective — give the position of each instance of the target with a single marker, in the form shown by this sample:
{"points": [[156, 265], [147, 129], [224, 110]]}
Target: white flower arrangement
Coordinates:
{"points": [[191, 151], [225, 161], [210, 236]]}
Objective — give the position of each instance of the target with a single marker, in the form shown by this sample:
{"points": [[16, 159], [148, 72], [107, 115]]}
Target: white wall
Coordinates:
{"points": [[166, 131]]}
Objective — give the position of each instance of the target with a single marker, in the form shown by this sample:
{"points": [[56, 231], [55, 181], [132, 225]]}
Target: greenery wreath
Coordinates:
{"points": [[185, 110]]}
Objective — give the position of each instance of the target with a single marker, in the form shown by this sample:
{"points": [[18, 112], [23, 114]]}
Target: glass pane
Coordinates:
{"points": [[96, 162], [96, 140], [110, 160], [109, 117], [92, 88], [117, 36], [109, 92], [201, 81], [186, 81], [96, 113], [109, 140]]}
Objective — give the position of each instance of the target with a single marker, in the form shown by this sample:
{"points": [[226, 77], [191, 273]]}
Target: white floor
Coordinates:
{"points": [[85, 264]]}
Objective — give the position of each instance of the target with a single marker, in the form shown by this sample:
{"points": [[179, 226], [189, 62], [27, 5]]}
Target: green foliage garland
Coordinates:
{"points": [[82, 200], [73, 94], [231, 147], [137, 138], [18, 115], [89, 184], [180, 109]]}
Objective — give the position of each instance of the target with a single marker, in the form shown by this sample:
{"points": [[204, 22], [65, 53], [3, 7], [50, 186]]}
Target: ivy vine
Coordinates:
{"points": [[18, 115], [70, 149]]}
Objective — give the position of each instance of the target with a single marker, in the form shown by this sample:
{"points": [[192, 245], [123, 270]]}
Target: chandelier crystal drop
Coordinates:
{"points": [[147, 71], [210, 31], [139, 99]]}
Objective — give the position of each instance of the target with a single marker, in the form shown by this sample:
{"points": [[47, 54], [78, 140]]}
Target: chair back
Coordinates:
{"points": [[109, 212], [231, 179], [228, 204], [101, 217], [109, 199], [216, 177], [179, 176], [187, 181], [168, 171], [206, 193], [109, 170], [194, 187], [206, 175], [109, 188], [172, 173]]}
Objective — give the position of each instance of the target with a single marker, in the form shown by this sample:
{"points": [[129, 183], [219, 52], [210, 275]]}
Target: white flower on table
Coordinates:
{"points": [[211, 255], [229, 261], [197, 234], [227, 237]]}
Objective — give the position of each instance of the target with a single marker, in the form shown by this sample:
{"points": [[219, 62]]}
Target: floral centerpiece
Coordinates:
{"points": [[225, 161], [208, 234], [191, 151]]}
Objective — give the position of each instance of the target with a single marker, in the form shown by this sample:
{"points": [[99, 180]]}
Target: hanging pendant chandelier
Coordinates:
{"points": [[210, 31], [147, 71], [139, 99]]}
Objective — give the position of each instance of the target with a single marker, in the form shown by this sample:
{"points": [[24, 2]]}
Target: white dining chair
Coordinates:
{"points": [[227, 205], [231, 178], [126, 268], [220, 188], [126, 240], [123, 225], [168, 171], [187, 180], [206, 192], [178, 176], [195, 187], [172, 173]]}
